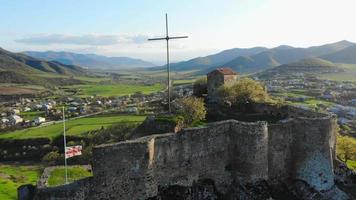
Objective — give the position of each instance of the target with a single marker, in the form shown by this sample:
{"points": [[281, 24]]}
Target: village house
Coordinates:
{"points": [[15, 119], [4, 121], [218, 78], [353, 102], [15, 111], [39, 120]]}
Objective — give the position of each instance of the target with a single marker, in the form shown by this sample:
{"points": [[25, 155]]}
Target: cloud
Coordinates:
{"points": [[91, 40]]}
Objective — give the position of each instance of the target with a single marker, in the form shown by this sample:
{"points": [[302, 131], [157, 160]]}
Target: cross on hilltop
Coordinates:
{"points": [[167, 38]]}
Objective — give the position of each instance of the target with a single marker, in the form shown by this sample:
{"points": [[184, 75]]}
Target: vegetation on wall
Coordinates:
{"points": [[243, 92], [346, 148], [200, 87], [192, 109]]}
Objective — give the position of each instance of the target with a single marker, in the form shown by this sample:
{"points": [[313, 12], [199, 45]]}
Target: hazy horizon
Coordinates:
{"points": [[122, 28]]}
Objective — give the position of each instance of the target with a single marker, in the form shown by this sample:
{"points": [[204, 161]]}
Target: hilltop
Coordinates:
{"points": [[347, 55], [90, 60], [257, 59], [22, 63], [213, 60], [308, 65], [20, 68]]}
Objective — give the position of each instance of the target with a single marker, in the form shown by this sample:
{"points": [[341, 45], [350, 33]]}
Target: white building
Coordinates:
{"points": [[4, 121], [39, 120], [132, 110], [15, 111], [353, 102], [15, 119]]}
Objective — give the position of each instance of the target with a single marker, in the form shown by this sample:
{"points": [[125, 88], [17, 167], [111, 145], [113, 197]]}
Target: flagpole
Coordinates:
{"points": [[65, 147]]}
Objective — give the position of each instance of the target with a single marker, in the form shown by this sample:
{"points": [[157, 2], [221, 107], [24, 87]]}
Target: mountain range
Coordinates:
{"points": [[20, 68], [92, 61], [257, 59]]}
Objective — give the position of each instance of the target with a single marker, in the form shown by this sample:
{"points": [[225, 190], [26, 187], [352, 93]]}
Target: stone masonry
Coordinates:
{"points": [[298, 148]]}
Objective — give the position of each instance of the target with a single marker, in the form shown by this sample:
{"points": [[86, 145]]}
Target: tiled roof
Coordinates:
{"points": [[224, 70]]}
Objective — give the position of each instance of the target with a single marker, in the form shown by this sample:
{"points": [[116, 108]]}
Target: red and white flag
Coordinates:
{"points": [[73, 151]]}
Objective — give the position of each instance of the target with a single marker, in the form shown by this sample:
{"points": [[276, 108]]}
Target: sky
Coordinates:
{"points": [[121, 27]]}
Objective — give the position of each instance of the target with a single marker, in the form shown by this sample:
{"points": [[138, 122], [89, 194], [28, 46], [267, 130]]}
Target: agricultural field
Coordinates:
{"points": [[30, 115], [348, 74], [12, 176], [73, 127], [19, 89], [57, 176], [115, 89]]}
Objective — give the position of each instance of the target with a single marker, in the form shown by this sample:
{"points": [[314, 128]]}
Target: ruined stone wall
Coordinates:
{"points": [[137, 169], [214, 81], [78, 190], [299, 147], [303, 148], [313, 151]]}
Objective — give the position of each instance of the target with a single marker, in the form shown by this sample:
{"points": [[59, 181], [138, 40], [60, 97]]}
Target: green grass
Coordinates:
{"points": [[115, 89], [32, 114], [351, 164], [57, 176], [73, 127], [183, 81], [12, 176], [348, 74]]}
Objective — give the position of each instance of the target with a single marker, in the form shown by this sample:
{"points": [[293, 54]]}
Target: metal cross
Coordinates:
{"points": [[167, 38]]}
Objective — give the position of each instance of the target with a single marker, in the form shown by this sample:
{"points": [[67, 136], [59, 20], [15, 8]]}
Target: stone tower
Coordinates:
{"points": [[217, 78]]}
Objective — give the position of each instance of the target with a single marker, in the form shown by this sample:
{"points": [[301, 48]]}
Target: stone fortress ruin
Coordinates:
{"points": [[226, 159]]}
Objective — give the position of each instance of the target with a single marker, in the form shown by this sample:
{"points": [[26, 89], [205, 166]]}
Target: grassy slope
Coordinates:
{"points": [[349, 73], [57, 176], [12, 177], [116, 90], [73, 127], [32, 114]]}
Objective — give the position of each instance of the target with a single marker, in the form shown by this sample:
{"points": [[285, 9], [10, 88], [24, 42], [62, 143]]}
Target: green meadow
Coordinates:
{"points": [[12, 176], [115, 89], [57, 176], [73, 127]]}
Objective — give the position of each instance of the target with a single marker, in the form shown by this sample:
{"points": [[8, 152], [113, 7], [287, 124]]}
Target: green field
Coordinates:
{"points": [[32, 114], [57, 176], [73, 127], [12, 176], [115, 89], [348, 74]]}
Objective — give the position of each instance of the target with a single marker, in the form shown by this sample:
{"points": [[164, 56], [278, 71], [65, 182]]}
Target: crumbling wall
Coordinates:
{"points": [[313, 150], [226, 154], [280, 140], [73, 191], [137, 169]]}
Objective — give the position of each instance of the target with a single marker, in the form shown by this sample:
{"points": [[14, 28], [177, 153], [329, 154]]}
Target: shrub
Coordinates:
{"points": [[53, 158], [200, 87], [243, 92], [191, 109], [346, 148]]}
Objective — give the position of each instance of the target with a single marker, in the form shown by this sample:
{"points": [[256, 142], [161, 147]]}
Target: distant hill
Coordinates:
{"points": [[283, 55], [206, 62], [260, 58], [20, 68], [304, 66], [346, 55], [90, 60], [21, 63]]}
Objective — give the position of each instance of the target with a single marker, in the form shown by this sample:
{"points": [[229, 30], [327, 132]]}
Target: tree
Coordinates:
{"points": [[191, 108], [53, 158], [244, 91], [200, 87], [346, 148]]}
